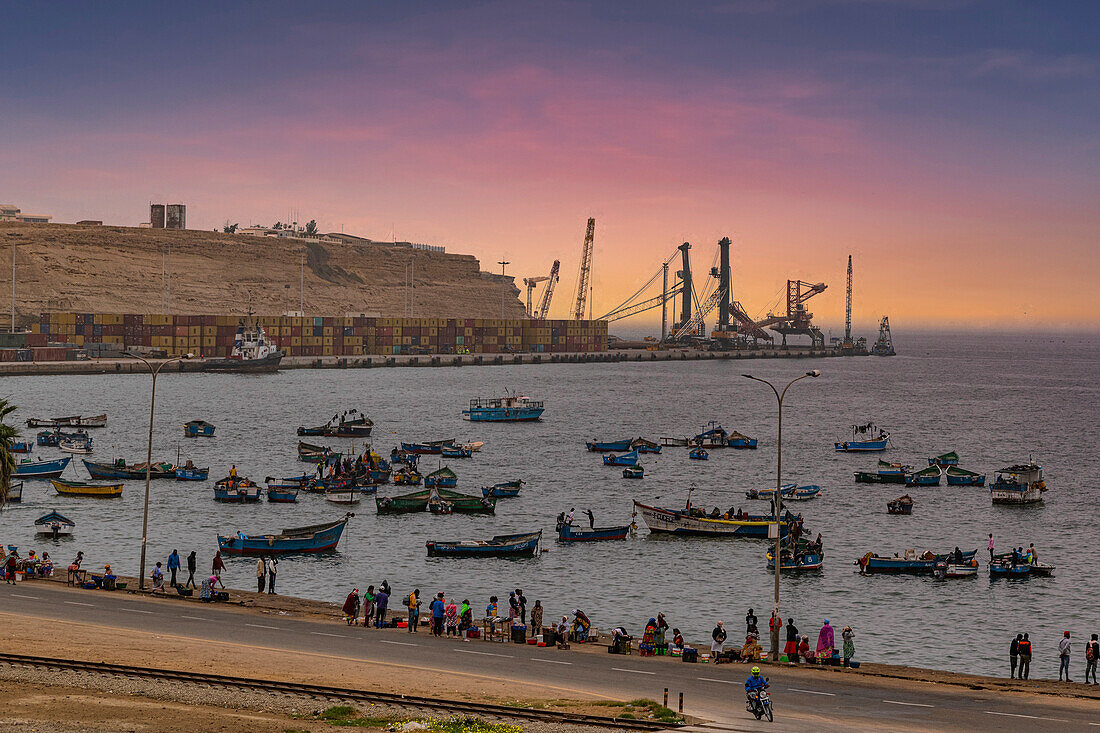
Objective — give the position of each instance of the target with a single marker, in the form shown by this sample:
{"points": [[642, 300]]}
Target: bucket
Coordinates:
{"points": [[19, 576], [853, 664], [783, 658]]}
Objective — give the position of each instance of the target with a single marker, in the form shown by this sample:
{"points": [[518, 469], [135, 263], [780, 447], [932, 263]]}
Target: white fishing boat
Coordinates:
{"points": [[54, 525], [82, 446], [344, 496], [1022, 484]]}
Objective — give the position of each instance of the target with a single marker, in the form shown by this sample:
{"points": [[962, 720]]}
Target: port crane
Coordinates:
{"points": [[584, 277], [797, 320], [547, 295]]}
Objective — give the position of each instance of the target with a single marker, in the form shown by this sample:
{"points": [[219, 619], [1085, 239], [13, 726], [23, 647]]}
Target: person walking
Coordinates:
{"points": [[991, 547], [536, 618], [192, 563], [849, 641], [261, 574], [174, 566], [1014, 655], [791, 647], [1024, 647], [1063, 657], [382, 602], [272, 569], [351, 607], [1092, 654], [718, 638], [217, 566], [412, 602]]}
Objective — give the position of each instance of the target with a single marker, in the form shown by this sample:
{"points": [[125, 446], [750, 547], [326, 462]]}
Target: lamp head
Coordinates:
{"points": [[748, 376], [813, 373], [189, 355]]}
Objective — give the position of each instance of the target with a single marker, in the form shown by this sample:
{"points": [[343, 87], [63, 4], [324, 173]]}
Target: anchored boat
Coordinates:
{"points": [[511, 408], [236, 490], [350, 424], [609, 446], [926, 477], [633, 472], [282, 491], [1022, 484], [865, 439], [431, 448], [252, 351], [22, 446], [27, 469], [443, 478], [121, 469], [506, 489], [911, 563], [511, 545], [945, 459], [737, 440], [795, 562], [75, 421], [900, 505], [83, 488], [626, 459], [189, 472], [698, 454], [692, 521], [15, 492], [644, 446], [888, 473], [198, 429], [54, 525], [82, 445], [961, 477], [571, 533], [315, 538]]}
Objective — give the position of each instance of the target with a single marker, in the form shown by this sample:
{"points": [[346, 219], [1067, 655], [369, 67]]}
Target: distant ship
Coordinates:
{"points": [[885, 344], [252, 352]]}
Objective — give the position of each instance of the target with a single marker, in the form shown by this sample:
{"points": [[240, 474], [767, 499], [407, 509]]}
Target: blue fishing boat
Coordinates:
{"points": [[769, 493], [431, 448], [911, 563], [279, 492], [633, 472], [28, 469], [305, 478], [645, 446], [511, 408], [945, 459], [610, 446], [22, 446], [927, 477], [570, 533], [802, 493], [698, 454], [121, 469], [405, 457], [455, 451], [315, 538], [503, 490], [1005, 568], [236, 490], [626, 459], [803, 562], [888, 473], [865, 438], [49, 437], [443, 478], [189, 472], [510, 545], [961, 477], [737, 440], [198, 429]]}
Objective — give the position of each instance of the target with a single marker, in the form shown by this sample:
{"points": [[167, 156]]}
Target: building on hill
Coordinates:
{"points": [[10, 212]]}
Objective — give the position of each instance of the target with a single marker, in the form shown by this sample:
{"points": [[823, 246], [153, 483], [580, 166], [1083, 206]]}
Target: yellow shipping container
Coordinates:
{"points": [[326, 351], [295, 340], [209, 341], [326, 340], [326, 331], [396, 331]]}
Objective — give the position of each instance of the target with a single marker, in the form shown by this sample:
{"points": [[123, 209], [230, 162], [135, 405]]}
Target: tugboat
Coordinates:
{"points": [[885, 344], [252, 352], [511, 408]]}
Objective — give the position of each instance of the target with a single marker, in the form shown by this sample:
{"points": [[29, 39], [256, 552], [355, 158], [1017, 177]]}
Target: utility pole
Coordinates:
{"points": [[502, 263]]}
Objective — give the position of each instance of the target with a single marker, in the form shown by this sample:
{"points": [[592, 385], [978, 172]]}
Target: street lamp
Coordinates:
{"points": [[502, 263], [778, 499], [149, 454]]}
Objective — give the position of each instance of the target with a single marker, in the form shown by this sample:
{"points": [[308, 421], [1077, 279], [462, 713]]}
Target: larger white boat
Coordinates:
{"points": [[1022, 484]]}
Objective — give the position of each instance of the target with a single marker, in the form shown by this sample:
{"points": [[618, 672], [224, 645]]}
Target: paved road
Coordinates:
{"points": [[827, 702]]}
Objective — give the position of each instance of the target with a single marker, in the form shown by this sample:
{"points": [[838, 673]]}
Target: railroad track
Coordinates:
{"points": [[335, 693]]}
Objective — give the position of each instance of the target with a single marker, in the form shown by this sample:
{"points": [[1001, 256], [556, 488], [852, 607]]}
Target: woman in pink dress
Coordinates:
{"points": [[825, 642]]}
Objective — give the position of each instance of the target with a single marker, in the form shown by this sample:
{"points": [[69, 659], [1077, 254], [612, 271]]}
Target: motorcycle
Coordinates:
{"points": [[760, 703]]}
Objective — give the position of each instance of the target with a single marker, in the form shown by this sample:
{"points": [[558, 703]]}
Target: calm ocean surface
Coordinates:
{"points": [[994, 399]]}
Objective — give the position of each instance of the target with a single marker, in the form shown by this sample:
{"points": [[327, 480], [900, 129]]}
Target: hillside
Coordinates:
{"points": [[109, 269]]}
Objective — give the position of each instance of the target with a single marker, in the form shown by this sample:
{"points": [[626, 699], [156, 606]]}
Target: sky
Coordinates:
{"points": [[952, 147]]}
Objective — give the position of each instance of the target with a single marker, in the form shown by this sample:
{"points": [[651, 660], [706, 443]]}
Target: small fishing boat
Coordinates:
{"points": [[15, 492], [407, 476], [945, 459], [466, 503], [349, 495], [299, 481], [795, 563], [83, 488], [189, 472], [309, 453], [926, 477], [948, 568], [609, 446], [865, 438], [76, 421], [1006, 568], [431, 448], [769, 494], [633, 472], [76, 445], [911, 563], [282, 491], [350, 424], [512, 545], [1042, 569], [693, 521], [315, 538], [644, 446], [403, 504], [440, 507], [236, 490], [802, 493], [506, 489], [1022, 484], [49, 437], [54, 525], [121, 469], [571, 533], [737, 440], [443, 477], [713, 437], [27, 469], [698, 454], [668, 442], [198, 429], [900, 505], [405, 457], [473, 446], [626, 459], [455, 451], [510, 408], [22, 446], [961, 477]]}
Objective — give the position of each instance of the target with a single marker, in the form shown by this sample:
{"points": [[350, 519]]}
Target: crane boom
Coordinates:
{"points": [[585, 274], [548, 294], [696, 322], [848, 307]]}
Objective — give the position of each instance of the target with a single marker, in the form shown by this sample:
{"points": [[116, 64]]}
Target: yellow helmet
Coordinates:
{"points": [[755, 671]]}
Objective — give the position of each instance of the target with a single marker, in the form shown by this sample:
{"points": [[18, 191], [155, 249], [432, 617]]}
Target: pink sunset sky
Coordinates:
{"points": [[948, 146]]}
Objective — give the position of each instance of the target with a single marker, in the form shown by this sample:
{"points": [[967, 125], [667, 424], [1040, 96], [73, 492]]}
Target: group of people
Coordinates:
{"points": [[566, 518], [32, 564], [1020, 654], [797, 649]]}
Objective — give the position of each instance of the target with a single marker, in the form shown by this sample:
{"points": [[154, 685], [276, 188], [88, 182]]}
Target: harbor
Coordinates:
{"points": [[585, 403]]}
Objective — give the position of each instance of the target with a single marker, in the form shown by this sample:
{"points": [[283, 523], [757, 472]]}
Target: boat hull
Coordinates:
{"points": [[866, 477], [324, 539], [282, 495], [1001, 495], [192, 474], [15, 493], [627, 459], [569, 533], [806, 564], [265, 365], [107, 491], [898, 565], [526, 545], [860, 446], [614, 446], [672, 521], [42, 469], [109, 471], [503, 414]]}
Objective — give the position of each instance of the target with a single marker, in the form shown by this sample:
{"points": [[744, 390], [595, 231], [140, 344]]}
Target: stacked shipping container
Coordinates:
{"points": [[322, 335]]}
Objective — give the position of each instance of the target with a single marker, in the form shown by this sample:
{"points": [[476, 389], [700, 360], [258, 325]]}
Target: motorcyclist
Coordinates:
{"points": [[754, 684]]}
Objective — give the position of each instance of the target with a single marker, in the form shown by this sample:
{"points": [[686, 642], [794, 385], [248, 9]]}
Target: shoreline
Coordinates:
{"points": [[133, 366], [263, 604]]}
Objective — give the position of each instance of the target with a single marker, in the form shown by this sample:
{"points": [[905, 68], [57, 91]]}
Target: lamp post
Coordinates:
{"points": [[502, 263], [778, 499], [149, 454]]}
